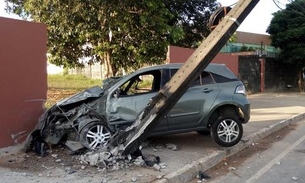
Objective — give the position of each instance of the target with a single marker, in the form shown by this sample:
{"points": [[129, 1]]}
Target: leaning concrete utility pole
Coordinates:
{"points": [[169, 94]]}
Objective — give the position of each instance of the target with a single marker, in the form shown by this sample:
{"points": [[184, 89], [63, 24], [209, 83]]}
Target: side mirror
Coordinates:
{"points": [[117, 93]]}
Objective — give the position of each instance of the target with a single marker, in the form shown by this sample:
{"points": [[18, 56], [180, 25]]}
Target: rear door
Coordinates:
{"points": [[194, 104]]}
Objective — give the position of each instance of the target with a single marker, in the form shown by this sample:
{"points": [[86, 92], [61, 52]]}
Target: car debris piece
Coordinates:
{"points": [[278, 163], [295, 178], [150, 160], [201, 175], [231, 168], [139, 161], [171, 146], [74, 145], [134, 179]]}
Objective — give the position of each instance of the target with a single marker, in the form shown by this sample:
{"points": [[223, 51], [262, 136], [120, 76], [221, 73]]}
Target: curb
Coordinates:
{"points": [[189, 171]]}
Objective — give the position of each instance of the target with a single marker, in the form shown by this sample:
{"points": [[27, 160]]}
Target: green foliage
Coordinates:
{"points": [[246, 48], [287, 30], [192, 16], [120, 34], [233, 38]]}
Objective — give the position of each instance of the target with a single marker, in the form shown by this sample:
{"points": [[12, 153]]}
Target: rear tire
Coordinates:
{"points": [[227, 131], [95, 135]]}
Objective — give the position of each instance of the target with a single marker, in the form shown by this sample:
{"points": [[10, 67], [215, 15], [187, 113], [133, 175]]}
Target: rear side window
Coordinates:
{"points": [[206, 78], [203, 79]]}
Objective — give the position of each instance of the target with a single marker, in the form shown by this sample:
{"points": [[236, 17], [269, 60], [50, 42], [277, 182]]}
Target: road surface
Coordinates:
{"points": [[283, 162]]}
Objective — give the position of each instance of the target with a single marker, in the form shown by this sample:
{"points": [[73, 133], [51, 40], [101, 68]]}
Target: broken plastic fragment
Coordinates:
{"points": [[201, 175], [74, 145]]}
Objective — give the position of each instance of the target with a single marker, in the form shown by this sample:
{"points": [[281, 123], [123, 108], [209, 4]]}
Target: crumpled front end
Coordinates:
{"points": [[64, 120]]}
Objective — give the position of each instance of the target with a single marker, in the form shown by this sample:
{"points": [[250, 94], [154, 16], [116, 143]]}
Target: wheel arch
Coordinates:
{"points": [[85, 120], [226, 109]]}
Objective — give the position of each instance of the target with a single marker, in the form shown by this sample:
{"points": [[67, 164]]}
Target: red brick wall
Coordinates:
{"points": [[23, 78], [180, 55], [231, 61]]}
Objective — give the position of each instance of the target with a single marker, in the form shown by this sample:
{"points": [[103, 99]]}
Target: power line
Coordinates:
{"points": [[277, 4]]}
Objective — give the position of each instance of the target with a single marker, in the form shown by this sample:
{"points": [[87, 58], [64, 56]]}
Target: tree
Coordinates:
{"points": [[119, 34], [192, 16], [287, 31]]}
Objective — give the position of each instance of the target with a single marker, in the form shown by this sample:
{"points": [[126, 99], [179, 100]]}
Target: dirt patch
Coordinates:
{"points": [[56, 94], [31, 162]]}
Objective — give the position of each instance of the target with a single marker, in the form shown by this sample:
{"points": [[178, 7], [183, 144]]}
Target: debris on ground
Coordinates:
{"points": [[201, 175], [278, 163], [295, 178], [232, 168], [172, 147]]}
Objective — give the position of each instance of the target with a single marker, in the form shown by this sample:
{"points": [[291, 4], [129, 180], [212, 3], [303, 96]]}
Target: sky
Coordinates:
{"points": [[259, 18], [256, 22], [4, 14]]}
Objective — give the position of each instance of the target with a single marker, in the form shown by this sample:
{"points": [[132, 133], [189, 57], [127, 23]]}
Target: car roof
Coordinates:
{"points": [[220, 69]]}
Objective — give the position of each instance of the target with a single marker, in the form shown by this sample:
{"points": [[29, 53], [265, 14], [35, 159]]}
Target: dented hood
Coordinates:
{"points": [[63, 107], [91, 93]]}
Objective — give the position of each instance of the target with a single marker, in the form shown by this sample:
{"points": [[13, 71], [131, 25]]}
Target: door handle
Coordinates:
{"points": [[207, 90]]}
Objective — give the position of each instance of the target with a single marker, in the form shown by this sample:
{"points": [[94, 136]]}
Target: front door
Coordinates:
{"points": [[133, 97]]}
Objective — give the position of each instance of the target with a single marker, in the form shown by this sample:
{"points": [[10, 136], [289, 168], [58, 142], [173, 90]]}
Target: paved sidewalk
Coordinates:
{"points": [[269, 113]]}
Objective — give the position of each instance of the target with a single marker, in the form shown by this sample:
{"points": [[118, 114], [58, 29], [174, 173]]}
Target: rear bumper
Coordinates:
{"points": [[244, 112], [244, 107]]}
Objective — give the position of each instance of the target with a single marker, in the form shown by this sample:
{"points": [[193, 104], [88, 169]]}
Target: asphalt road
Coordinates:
{"points": [[283, 162]]}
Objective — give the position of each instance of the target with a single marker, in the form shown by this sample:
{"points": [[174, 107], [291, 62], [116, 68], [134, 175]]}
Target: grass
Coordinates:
{"points": [[71, 81], [62, 86]]}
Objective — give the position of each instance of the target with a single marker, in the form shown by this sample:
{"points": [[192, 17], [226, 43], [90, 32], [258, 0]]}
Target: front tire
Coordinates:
{"points": [[95, 135], [227, 131]]}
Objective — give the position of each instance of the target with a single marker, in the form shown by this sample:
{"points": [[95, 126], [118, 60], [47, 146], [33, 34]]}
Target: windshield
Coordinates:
{"points": [[108, 82]]}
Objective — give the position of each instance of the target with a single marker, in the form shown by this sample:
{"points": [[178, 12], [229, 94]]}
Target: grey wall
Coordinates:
{"points": [[277, 74], [249, 72]]}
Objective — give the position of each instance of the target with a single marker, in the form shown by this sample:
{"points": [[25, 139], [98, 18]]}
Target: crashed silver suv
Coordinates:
{"points": [[215, 103]]}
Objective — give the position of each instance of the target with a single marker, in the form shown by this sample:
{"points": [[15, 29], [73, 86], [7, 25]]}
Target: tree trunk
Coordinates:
{"points": [[107, 70]]}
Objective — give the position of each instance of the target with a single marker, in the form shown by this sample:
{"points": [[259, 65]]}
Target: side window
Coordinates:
{"points": [[173, 71], [206, 78], [196, 82], [141, 84]]}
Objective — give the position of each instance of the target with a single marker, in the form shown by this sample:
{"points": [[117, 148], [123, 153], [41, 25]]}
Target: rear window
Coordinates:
{"points": [[206, 78], [222, 79]]}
